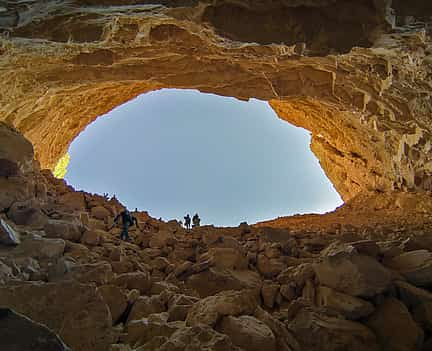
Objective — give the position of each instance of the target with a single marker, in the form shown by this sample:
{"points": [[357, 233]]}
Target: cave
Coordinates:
{"points": [[356, 74]]}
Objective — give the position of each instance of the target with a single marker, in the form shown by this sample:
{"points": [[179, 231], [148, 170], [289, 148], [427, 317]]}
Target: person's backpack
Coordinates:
{"points": [[129, 218]]}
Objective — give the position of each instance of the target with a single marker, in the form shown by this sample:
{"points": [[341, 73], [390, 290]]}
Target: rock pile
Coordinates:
{"points": [[247, 288]]}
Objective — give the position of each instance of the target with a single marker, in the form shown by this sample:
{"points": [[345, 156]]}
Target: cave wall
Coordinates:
{"points": [[342, 70]]}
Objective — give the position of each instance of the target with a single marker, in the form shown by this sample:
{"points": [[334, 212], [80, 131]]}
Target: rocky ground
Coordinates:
{"points": [[355, 279]]}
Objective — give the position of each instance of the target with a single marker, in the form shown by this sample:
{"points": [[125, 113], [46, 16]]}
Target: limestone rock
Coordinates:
{"points": [[394, 327], [215, 280], [228, 303], [141, 331], [8, 236], [41, 248], [321, 332], [75, 311], [412, 296], [92, 237], [28, 214], [269, 292], [198, 337], [100, 212], [269, 268], [248, 333], [13, 190], [21, 333], [19, 150], [63, 229], [145, 306], [349, 306], [415, 266], [353, 274], [115, 298], [227, 258], [136, 280]]}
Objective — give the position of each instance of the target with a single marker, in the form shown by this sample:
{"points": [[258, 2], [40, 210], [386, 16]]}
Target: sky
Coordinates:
{"points": [[172, 152]]}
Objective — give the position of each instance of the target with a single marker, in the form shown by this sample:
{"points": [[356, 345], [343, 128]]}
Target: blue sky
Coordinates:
{"points": [[172, 152]]}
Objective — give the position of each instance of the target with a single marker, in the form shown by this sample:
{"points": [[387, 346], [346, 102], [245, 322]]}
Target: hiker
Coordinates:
{"points": [[187, 221], [128, 220], [196, 221]]}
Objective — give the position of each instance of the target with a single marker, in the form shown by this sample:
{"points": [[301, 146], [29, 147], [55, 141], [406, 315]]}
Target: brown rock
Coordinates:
{"points": [[248, 333], [21, 333], [115, 298], [351, 307], [63, 229], [100, 212], [19, 150], [353, 274], [8, 236], [415, 266], [321, 332], [269, 292], [227, 303], [145, 306], [214, 280], [92, 237], [394, 327], [75, 311], [269, 268], [137, 280]]}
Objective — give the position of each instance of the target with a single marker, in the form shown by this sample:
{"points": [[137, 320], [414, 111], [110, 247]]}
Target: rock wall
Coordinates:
{"points": [[360, 83]]}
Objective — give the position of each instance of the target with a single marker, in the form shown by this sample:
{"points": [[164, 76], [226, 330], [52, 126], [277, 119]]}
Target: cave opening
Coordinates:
{"points": [[172, 152]]}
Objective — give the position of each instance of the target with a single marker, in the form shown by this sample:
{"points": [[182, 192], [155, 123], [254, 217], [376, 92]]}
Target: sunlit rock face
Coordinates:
{"points": [[357, 74]]}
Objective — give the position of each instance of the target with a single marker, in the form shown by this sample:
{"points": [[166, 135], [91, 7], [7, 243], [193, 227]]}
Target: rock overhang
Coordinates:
{"points": [[366, 98]]}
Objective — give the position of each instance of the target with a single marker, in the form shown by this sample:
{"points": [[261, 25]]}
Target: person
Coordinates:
{"points": [[196, 221], [187, 221], [127, 221]]}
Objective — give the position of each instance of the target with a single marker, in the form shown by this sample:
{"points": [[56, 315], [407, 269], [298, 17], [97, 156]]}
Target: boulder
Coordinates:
{"points": [[285, 340], [351, 307], [98, 273], [19, 150], [27, 213], [161, 239], [213, 281], [19, 333], [41, 248], [63, 229], [412, 296], [92, 237], [316, 330], [196, 338], [248, 333], [8, 236], [227, 303], [394, 327], [100, 212], [415, 266], [269, 292], [144, 330], [116, 299], [422, 315], [227, 258], [136, 280], [13, 190], [145, 306], [269, 267], [75, 311], [73, 201], [353, 274]]}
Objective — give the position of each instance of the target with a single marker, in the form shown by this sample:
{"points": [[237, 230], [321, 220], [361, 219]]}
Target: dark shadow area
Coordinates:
{"points": [[293, 25]]}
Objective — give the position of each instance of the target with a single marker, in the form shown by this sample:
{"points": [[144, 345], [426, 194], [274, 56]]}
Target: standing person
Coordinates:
{"points": [[187, 221], [196, 221], [127, 221]]}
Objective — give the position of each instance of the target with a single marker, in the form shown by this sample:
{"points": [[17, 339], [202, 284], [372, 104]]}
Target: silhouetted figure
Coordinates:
{"points": [[196, 221], [127, 221], [187, 221]]}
